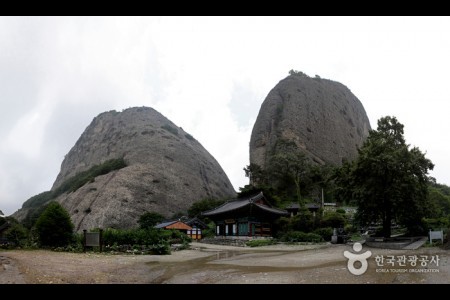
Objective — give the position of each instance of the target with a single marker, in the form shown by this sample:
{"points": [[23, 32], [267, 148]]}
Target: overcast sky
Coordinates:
{"points": [[208, 75]]}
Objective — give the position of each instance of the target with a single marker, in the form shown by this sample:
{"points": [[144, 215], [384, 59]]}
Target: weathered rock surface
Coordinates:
{"points": [[167, 170], [321, 116]]}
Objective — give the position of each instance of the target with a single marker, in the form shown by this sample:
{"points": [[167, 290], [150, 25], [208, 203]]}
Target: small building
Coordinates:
{"points": [[197, 227], [293, 208], [178, 225], [250, 216]]}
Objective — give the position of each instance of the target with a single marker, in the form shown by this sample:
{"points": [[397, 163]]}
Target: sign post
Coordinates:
{"points": [[92, 239]]}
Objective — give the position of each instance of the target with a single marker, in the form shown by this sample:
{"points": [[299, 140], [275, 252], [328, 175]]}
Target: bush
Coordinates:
{"points": [[54, 227], [303, 221], [156, 241], [149, 220], [333, 220], [259, 243], [17, 234], [325, 233], [170, 129], [198, 207], [340, 211], [298, 236]]}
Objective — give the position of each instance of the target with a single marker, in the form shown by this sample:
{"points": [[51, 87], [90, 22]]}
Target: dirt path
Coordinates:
{"points": [[212, 264]]}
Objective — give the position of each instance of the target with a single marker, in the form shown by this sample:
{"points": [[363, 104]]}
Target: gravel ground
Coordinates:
{"points": [[206, 263]]}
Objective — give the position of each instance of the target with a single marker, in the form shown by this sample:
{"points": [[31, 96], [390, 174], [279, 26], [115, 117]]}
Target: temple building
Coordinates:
{"points": [[250, 216]]}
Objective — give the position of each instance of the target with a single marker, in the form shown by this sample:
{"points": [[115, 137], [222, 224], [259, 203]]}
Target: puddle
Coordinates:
{"points": [[209, 269]]}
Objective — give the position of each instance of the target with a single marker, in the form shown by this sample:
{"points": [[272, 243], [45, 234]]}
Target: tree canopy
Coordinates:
{"points": [[388, 181], [54, 227], [149, 219]]}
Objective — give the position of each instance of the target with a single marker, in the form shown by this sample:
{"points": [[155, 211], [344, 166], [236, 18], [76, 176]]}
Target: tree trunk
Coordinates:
{"points": [[297, 188]]}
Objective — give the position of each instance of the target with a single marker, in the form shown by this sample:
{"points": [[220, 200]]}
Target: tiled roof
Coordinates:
{"points": [[238, 203], [165, 224]]}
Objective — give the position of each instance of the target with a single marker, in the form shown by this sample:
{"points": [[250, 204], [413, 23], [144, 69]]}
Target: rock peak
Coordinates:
{"points": [[322, 117]]}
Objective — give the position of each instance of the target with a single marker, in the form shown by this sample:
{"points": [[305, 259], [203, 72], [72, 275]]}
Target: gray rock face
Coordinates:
{"points": [[321, 116], [167, 170]]}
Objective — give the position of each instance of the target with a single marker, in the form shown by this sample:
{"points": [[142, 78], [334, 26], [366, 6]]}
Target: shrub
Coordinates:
{"points": [[298, 236], [17, 234], [170, 129], [156, 241], [325, 233], [303, 221], [149, 220], [333, 220], [259, 243], [198, 207], [54, 227]]}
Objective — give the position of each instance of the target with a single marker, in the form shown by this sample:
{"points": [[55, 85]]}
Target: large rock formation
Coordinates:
{"points": [[322, 117], [167, 170]]}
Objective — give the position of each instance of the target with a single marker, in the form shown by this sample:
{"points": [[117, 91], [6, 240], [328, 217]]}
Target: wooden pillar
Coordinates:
{"points": [[101, 240], [84, 240]]}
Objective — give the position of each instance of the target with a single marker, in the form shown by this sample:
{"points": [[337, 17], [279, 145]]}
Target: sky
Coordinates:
{"points": [[210, 76]]}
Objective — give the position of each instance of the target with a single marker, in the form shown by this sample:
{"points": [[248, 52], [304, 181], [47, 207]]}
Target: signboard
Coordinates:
{"points": [[436, 235], [92, 239]]}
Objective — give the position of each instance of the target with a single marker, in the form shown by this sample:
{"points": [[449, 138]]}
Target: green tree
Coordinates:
{"points": [[54, 227], [149, 219], [17, 234], [198, 207], [439, 202], [290, 166], [389, 180], [256, 175]]}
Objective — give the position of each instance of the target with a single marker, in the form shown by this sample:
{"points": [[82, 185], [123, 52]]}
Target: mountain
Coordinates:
{"points": [[322, 117], [126, 163]]}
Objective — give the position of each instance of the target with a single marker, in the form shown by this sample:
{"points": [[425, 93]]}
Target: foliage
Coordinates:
{"points": [[289, 167], [54, 227], [340, 211], [298, 236], [325, 233], [259, 243], [333, 219], [170, 129], [297, 73], [150, 219], [70, 185], [210, 231], [39, 200], [77, 181], [439, 201], [289, 176], [388, 180], [303, 221], [437, 223], [17, 234], [203, 205], [158, 241]]}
